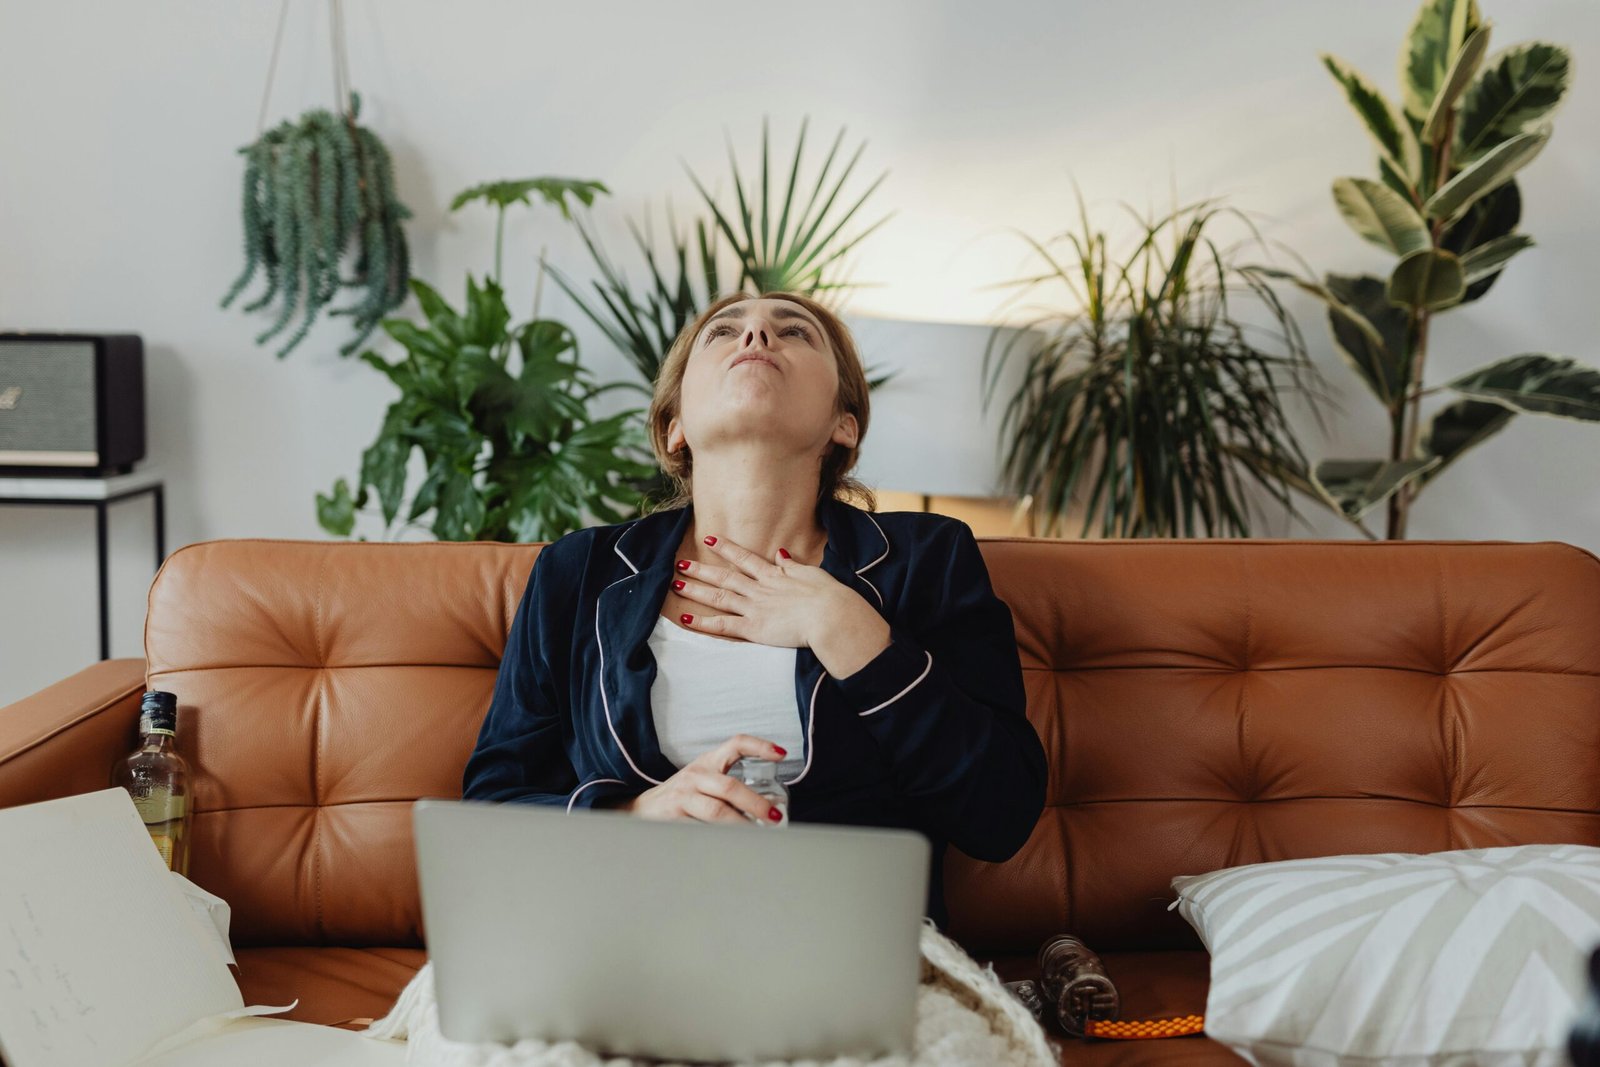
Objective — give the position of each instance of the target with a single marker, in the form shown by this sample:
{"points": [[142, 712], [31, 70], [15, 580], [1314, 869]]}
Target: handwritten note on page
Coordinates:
{"points": [[100, 954]]}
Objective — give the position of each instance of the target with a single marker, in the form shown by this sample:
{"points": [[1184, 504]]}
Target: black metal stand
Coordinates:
{"points": [[157, 491]]}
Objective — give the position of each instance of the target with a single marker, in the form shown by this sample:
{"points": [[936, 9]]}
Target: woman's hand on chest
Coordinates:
{"points": [[779, 602]]}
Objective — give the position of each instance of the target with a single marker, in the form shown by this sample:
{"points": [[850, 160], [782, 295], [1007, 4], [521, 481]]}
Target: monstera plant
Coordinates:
{"points": [[1445, 202], [499, 413]]}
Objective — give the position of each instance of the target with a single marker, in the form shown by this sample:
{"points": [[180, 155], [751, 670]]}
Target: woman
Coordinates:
{"points": [[760, 614]]}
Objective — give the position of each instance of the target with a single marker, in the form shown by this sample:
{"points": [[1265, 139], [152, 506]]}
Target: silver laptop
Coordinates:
{"points": [[694, 941]]}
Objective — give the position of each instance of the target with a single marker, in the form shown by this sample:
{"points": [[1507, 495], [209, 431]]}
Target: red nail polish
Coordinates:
{"points": [[780, 750], [711, 540], [686, 618], [774, 814], [683, 564], [784, 552], [677, 584]]}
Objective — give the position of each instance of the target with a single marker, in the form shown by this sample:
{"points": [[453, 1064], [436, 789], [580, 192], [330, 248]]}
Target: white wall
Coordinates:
{"points": [[119, 200]]}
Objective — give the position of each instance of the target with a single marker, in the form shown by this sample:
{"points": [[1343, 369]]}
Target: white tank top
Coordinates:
{"points": [[708, 688]]}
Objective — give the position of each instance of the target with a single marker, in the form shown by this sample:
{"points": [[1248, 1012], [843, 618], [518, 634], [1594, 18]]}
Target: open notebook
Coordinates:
{"points": [[104, 960]]}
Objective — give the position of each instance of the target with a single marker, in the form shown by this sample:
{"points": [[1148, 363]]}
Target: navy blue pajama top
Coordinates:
{"points": [[932, 735]]}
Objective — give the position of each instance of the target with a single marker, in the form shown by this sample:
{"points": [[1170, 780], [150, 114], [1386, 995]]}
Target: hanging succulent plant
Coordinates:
{"points": [[311, 187]]}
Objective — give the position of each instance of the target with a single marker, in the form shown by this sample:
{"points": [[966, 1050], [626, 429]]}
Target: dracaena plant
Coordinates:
{"points": [[499, 413], [1446, 203], [1148, 399]]}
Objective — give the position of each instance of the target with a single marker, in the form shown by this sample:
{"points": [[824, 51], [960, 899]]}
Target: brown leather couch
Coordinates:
{"points": [[1204, 704]]}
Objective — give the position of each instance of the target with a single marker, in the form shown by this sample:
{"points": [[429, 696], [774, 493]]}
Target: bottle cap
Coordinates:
{"points": [[158, 713]]}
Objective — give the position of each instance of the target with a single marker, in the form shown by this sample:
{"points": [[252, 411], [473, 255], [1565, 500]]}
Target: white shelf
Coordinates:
{"points": [[42, 488]]}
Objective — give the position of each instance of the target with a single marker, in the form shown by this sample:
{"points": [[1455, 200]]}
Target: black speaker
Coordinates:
{"points": [[71, 403]]}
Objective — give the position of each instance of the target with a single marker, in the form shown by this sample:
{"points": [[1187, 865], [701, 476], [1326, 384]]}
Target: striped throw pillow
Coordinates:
{"points": [[1470, 957]]}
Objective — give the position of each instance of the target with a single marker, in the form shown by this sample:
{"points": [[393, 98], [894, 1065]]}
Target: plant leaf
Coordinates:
{"points": [[1436, 35], [1493, 216], [1462, 68], [799, 256], [337, 513], [1381, 215], [1517, 88], [1494, 169], [383, 464], [1456, 428], [1366, 349], [1397, 180], [461, 509], [1365, 299], [1486, 260], [487, 315], [1427, 279], [1394, 138], [1537, 383], [503, 194], [1356, 486]]}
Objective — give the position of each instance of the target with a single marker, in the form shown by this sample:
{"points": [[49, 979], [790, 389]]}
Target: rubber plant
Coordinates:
{"points": [[1446, 203], [316, 188], [1147, 397], [499, 413]]}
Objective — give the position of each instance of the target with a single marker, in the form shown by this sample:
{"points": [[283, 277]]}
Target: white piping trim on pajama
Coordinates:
{"points": [[811, 724], [600, 643], [875, 562], [904, 691], [586, 785], [617, 548]]}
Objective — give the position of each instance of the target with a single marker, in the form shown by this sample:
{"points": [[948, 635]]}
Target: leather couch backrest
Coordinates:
{"points": [[322, 687], [1204, 704], [1213, 703]]}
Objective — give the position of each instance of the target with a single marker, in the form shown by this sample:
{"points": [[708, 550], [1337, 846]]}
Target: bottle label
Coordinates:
{"points": [[163, 843], [159, 807]]}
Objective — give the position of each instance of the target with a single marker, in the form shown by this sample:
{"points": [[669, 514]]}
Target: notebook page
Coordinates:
{"points": [[100, 954], [276, 1042]]}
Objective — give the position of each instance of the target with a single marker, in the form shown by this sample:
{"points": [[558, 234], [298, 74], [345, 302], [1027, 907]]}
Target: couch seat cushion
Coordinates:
{"points": [[1152, 985], [333, 985]]}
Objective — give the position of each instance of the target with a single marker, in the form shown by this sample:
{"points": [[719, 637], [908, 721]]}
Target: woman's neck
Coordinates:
{"points": [[758, 503]]}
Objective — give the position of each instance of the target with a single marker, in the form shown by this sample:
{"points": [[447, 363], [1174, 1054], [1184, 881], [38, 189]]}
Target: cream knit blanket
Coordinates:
{"points": [[965, 1017]]}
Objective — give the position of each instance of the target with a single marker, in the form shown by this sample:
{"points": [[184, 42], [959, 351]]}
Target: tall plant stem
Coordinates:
{"points": [[1410, 423], [1403, 441], [499, 241]]}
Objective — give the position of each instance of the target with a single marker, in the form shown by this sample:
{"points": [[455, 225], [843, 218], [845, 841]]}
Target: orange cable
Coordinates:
{"points": [[1140, 1029]]}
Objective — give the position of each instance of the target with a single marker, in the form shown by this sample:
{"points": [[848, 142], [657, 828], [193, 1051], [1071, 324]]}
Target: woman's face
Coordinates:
{"points": [[760, 368]]}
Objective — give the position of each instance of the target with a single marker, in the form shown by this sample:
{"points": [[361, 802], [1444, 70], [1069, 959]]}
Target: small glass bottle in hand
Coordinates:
{"points": [[761, 775]]}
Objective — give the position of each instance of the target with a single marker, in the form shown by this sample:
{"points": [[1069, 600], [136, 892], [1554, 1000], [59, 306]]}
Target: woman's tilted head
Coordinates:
{"points": [[779, 372]]}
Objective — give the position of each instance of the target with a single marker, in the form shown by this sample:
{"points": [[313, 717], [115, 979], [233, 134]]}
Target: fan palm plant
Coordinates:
{"points": [[772, 256], [1147, 401], [642, 326], [805, 257]]}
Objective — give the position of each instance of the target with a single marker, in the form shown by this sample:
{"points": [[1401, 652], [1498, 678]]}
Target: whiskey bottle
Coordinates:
{"points": [[157, 779]]}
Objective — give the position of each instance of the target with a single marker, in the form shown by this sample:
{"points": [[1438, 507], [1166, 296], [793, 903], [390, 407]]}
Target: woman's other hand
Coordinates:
{"points": [[703, 791], [784, 603]]}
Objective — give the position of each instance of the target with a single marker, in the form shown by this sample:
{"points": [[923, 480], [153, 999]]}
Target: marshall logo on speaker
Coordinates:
{"points": [[85, 403]]}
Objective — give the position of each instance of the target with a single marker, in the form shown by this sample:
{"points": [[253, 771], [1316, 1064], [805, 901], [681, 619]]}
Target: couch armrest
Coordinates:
{"points": [[62, 740]]}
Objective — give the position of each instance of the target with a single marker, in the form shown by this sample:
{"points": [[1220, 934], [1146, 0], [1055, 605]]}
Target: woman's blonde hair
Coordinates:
{"points": [[835, 482]]}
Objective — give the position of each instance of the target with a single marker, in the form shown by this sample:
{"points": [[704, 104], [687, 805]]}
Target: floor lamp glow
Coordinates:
{"points": [[929, 432]]}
